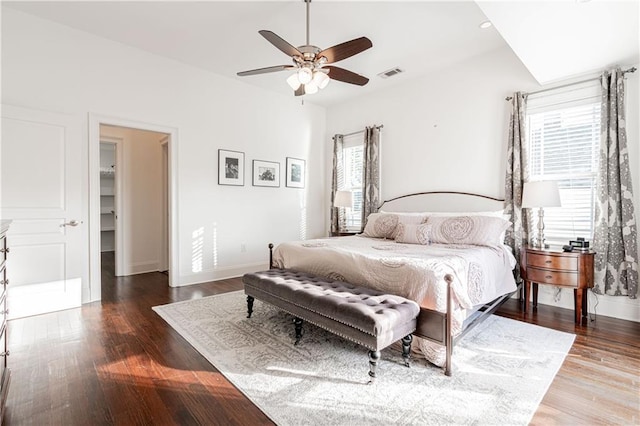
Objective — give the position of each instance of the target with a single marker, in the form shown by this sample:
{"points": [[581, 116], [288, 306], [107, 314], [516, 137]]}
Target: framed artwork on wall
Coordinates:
{"points": [[230, 167], [295, 172], [266, 173]]}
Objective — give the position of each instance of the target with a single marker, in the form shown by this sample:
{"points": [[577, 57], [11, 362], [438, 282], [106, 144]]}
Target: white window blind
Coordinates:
{"points": [[352, 155], [563, 128]]}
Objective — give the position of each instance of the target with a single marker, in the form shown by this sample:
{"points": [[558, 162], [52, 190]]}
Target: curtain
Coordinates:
{"points": [[336, 181], [615, 240], [371, 173], [516, 174]]}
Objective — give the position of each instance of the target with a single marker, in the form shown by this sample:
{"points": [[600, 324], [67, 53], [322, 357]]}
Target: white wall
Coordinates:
{"points": [[448, 131], [52, 67]]}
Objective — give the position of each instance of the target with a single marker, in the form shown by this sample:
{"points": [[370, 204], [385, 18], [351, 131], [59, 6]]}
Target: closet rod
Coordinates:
{"points": [[355, 133], [508, 98]]}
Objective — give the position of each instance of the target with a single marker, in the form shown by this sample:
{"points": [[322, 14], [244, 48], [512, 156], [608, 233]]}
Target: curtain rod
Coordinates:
{"points": [[508, 98], [355, 133]]}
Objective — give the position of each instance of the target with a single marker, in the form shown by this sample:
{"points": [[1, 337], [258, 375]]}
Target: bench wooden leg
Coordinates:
{"points": [[297, 322], [406, 349], [249, 306], [374, 357]]}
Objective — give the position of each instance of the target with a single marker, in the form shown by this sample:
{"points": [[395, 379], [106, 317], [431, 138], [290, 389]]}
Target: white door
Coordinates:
{"points": [[43, 175]]}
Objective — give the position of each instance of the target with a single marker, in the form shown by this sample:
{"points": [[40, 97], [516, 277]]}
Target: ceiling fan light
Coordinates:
{"points": [[310, 88], [293, 81], [320, 79], [304, 75]]}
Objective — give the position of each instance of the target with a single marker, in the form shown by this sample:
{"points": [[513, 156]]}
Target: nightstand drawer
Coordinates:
{"points": [[545, 276], [552, 262]]}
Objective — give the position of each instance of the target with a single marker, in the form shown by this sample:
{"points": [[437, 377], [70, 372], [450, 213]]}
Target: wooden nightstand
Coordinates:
{"points": [[564, 269]]}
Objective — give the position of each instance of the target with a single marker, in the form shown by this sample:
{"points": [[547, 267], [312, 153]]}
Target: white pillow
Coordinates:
{"points": [[413, 234], [476, 230], [381, 225]]}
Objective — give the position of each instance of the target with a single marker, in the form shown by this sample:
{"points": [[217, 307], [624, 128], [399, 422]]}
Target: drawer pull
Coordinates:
{"points": [[5, 353], [4, 250], [547, 261], [548, 277], [4, 282]]}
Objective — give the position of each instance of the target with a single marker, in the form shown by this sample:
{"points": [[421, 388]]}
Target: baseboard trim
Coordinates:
{"points": [[621, 307], [221, 273]]}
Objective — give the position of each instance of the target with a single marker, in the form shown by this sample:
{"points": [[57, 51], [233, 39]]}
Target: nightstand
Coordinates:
{"points": [[564, 269]]}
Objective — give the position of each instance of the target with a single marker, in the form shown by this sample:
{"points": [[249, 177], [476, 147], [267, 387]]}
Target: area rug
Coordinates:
{"points": [[501, 369]]}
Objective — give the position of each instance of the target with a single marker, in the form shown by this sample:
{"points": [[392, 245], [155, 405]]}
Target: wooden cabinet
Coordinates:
{"points": [[4, 352], [563, 269]]}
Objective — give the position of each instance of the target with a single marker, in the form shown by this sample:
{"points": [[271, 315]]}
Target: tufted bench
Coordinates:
{"points": [[365, 316]]}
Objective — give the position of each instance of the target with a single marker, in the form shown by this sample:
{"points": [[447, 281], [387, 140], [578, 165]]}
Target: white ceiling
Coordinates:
{"points": [[559, 39], [418, 36]]}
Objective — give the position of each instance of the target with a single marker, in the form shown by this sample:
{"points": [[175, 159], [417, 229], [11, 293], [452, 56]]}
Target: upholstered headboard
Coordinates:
{"points": [[442, 201]]}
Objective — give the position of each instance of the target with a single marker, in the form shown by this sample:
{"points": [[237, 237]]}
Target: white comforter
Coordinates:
{"points": [[480, 274]]}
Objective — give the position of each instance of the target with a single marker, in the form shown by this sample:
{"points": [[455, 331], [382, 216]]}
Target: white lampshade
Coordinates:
{"points": [[310, 88], [304, 75], [541, 194], [320, 79], [293, 81], [343, 199]]}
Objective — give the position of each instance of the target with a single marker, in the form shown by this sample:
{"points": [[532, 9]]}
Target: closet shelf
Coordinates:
{"points": [[108, 228]]}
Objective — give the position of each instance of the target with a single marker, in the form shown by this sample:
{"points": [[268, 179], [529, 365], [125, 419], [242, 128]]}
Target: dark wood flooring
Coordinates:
{"points": [[117, 362]]}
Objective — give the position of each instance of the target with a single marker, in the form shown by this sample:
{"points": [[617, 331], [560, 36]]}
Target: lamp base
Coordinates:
{"points": [[540, 244]]}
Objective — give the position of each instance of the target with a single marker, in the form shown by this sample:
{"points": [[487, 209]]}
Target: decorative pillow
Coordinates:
{"points": [[408, 219], [380, 225], [495, 213], [413, 234], [477, 230]]}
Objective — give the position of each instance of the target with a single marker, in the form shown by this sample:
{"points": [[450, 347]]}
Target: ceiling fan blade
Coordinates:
{"points": [[346, 76], [266, 70], [299, 91], [345, 50], [280, 43]]}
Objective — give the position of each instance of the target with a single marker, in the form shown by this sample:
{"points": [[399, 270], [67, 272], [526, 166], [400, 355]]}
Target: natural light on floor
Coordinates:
{"points": [[35, 299]]}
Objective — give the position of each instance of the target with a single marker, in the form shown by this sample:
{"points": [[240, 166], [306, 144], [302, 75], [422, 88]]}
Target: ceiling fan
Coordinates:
{"points": [[310, 62]]}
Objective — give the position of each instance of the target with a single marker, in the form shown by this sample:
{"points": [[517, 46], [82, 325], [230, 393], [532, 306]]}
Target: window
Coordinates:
{"points": [[352, 157], [563, 129]]}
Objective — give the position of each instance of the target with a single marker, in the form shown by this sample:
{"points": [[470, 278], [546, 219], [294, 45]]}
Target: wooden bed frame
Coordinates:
{"points": [[433, 325]]}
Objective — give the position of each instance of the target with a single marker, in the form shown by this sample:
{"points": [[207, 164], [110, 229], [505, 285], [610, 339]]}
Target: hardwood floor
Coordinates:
{"points": [[117, 362]]}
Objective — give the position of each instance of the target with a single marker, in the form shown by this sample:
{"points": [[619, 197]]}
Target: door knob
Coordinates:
{"points": [[71, 223]]}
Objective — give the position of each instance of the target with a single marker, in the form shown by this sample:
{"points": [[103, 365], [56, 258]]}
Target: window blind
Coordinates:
{"points": [[563, 128], [353, 162]]}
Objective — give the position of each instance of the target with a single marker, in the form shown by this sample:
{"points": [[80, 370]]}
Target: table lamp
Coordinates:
{"points": [[540, 194], [343, 199]]}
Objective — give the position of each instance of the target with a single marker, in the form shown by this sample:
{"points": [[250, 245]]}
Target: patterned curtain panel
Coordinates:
{"points": [[371, 171], [615, 241], [336, 181], [517, 173]]}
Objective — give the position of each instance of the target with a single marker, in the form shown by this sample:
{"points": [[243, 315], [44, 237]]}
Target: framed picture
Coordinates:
{"points": [[230, 167], [295, 172], [266, 173]]}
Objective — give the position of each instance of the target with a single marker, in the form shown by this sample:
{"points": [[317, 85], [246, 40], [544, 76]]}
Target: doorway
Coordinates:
{"points": [[144, 232], [132, 207]]}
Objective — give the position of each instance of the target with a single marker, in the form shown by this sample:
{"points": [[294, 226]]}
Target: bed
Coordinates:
{"points": [[443, 250]]}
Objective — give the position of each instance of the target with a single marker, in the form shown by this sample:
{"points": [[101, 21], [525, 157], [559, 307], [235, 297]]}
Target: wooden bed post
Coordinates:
{"points": [[449, 326], [270, 255]]}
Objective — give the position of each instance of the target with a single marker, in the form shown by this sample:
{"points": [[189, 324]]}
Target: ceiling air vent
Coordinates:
{"points": [[390, 73]]}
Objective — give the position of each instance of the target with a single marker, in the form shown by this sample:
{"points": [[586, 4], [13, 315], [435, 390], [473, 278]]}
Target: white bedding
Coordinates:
{"points": [[480, 273]]}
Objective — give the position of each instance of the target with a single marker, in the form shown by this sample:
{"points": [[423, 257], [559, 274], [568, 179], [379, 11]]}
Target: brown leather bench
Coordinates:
{"points": [[368, 317]]}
